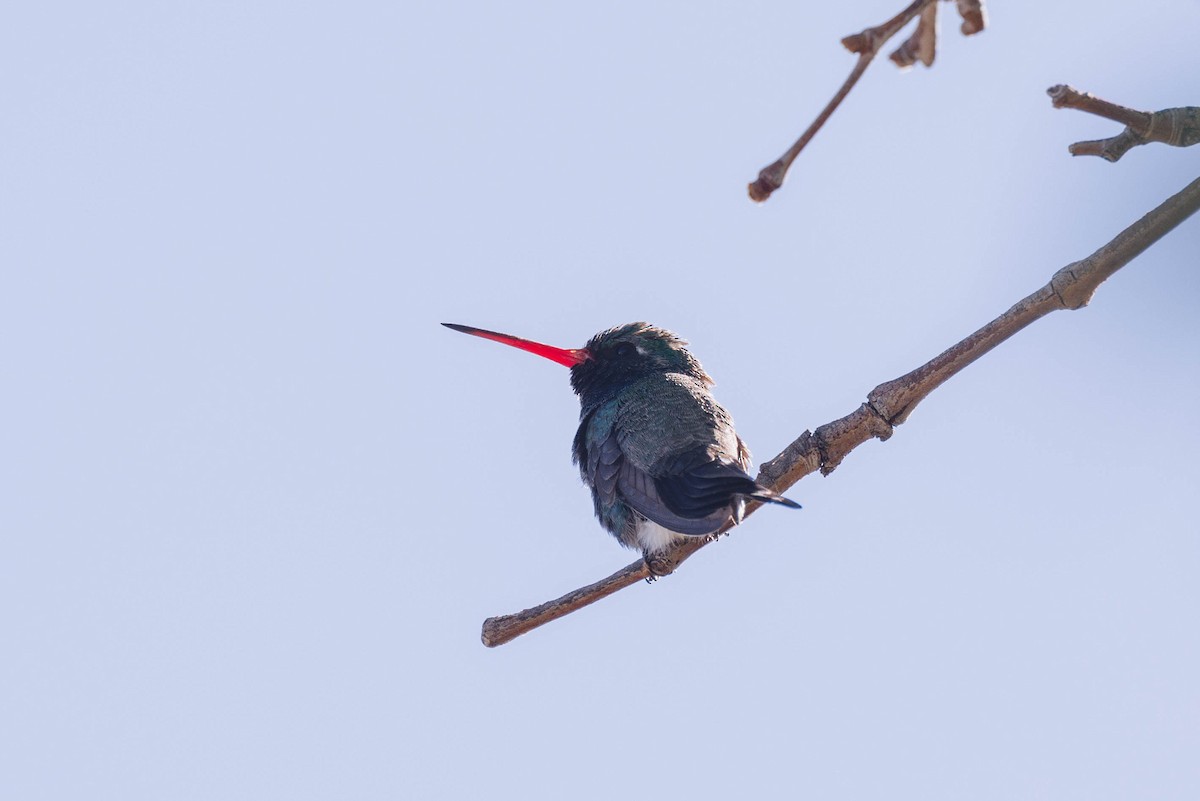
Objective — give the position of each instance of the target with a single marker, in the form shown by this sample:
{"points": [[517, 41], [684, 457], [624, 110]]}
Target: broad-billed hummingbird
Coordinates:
{"points": [[658, 452]]}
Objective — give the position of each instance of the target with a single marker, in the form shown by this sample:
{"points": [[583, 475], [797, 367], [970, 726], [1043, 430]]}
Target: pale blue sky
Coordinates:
{"points": [[256, 502]]}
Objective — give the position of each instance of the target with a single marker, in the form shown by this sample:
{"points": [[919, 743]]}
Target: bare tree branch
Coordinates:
{"points": [[920, 46], [1179, 127], [888, 405]]}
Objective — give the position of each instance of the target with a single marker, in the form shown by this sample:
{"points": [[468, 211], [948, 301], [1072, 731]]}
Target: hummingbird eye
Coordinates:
{"points": [[623, 350]]}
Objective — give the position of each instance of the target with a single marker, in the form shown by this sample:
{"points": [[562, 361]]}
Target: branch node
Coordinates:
{"points": [[862, 42], [770, 178], [886, 401], [1178, 127], [1071, 291], [843, 435], [799, 459]]}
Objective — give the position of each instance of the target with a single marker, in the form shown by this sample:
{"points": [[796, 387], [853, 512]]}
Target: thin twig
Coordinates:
{"points": [[889, 404], [867, 45], [921, 46], [1179, 127]]}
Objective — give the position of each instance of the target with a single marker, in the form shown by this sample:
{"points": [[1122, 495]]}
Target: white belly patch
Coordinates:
{"points": [[652, 537]]}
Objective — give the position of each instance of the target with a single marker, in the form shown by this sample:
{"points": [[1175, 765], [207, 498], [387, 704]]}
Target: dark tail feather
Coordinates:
{"points": [[769, 496]]}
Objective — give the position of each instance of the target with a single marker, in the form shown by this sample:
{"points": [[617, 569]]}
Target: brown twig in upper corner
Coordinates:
{"points": [[974, 16], [1179, 127], [921, 46], [887, 406]]}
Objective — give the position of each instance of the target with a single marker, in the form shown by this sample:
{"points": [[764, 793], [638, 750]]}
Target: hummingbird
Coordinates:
{"points": [[659, 454]]}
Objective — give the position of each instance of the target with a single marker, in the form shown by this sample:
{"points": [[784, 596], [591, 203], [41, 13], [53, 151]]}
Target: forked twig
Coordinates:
{"points": [[887, 405], [1179, 127], [920, 46]]}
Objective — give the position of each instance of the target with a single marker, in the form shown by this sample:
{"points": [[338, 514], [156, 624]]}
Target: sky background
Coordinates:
{"points": [[256, 502]]}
